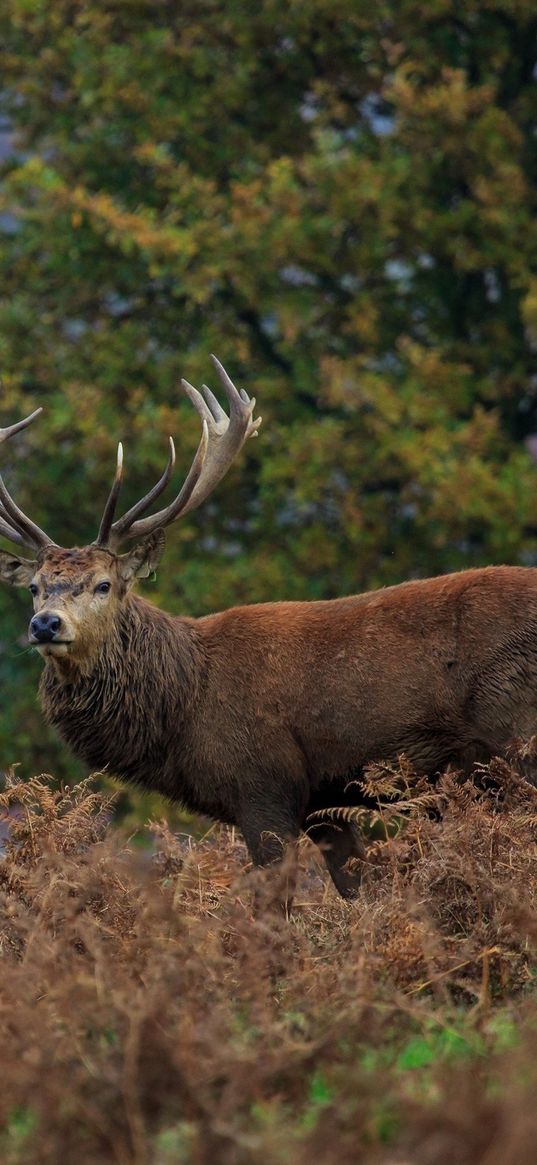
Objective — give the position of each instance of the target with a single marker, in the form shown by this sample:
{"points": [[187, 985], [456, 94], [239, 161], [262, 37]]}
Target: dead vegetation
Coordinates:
{"points": [[148, 1016]]}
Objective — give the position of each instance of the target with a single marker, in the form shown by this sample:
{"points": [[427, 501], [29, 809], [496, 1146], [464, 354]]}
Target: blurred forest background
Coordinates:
{"points": [[336, 197]]}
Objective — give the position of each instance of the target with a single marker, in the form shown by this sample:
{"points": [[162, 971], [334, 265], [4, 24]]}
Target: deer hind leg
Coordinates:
{"points": [[339, 841]]}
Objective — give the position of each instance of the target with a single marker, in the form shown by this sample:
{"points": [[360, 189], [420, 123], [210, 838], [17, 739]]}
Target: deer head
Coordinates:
{"points": [[77, 592]]}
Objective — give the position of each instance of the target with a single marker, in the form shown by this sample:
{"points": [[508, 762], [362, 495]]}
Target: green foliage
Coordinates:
{"points": [[20, 1125], [338, 199]]}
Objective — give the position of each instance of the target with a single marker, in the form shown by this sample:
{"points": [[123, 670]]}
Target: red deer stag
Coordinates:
{"points": [[261, 715]]}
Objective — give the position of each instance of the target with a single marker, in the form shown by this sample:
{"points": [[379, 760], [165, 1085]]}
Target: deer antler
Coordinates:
{"points": [[14, 524], [222, 437]]}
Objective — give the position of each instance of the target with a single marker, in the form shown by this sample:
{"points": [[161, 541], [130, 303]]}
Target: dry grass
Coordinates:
{"points": [[148, 1016]]}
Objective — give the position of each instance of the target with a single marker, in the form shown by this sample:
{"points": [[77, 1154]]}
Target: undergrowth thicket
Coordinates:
{"points": [[150, 1015]]}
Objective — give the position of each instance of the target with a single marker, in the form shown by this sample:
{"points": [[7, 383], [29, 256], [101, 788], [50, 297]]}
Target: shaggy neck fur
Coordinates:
{"points": [[135, 699]]}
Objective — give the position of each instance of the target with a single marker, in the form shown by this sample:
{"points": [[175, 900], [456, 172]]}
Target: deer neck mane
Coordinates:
{"points": [[123, 712]]}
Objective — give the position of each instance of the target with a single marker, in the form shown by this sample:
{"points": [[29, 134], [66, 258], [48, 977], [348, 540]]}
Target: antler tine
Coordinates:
{"points": [[34, 537], [5, 434], [164, 517], [15, 525], [8, 531], [221, 438], [236, 399], [110, 507], [136, 511], [214, 404], [227, 435]]}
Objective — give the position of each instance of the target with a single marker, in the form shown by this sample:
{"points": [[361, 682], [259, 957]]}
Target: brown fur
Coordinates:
{"points": [[260, 715]]}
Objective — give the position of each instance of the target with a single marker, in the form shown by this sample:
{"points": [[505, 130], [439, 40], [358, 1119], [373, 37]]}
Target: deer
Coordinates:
{"points": [[265, 715]]}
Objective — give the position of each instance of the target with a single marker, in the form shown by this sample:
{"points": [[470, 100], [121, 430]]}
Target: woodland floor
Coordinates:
{"points": [[149, 1016]]}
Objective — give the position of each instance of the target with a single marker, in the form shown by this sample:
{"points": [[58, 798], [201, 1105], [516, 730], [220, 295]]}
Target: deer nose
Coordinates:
{"points": [[44, 627]]}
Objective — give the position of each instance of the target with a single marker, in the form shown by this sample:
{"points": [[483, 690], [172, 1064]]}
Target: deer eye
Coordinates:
{"points": [[32, 589], [102, 588]]}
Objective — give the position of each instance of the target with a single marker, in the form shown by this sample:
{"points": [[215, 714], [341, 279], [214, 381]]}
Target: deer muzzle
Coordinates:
{"points": [[47, 627]]}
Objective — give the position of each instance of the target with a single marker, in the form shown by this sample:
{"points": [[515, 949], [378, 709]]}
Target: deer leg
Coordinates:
{"points": [[271, 837], [339, 841]]}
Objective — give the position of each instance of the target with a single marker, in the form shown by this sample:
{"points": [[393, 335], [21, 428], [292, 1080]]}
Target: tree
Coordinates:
{"points": [[339, 200]]}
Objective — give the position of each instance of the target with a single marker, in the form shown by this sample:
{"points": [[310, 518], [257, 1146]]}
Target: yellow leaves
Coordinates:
{"points": [[289, 321], [428, 390], [127, 227], [350, 382], [186, 189], [452, 100], [162, 239], [362, 321], [508, 182], [432, 368], [281, 173], [352, 182], [248, 205], [35, 172], [269, 196]]}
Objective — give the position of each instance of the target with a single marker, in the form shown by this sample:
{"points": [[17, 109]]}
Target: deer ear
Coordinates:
{"points": [[18, 572], [144, 559]]}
